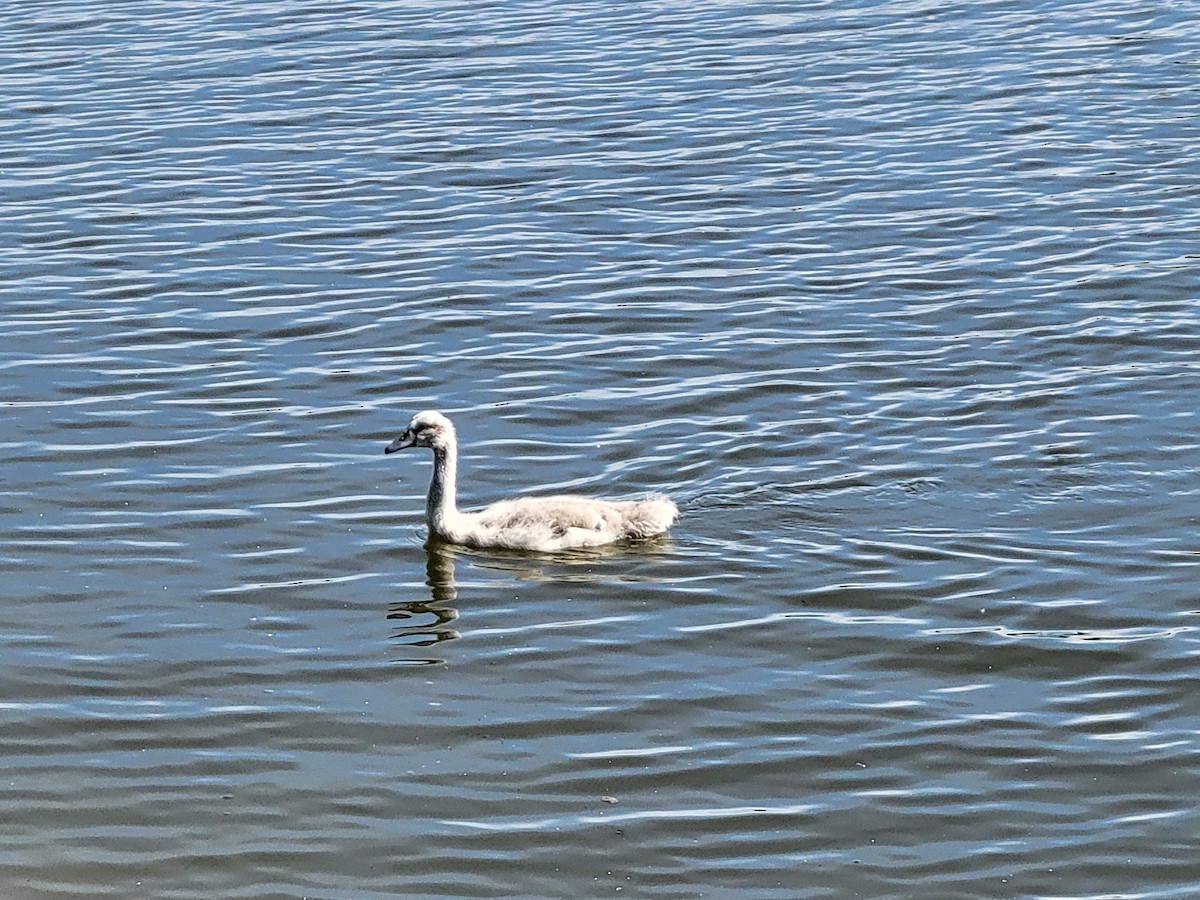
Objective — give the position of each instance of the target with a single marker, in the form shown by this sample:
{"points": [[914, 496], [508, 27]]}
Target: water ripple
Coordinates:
{"points": [[899, 302]]}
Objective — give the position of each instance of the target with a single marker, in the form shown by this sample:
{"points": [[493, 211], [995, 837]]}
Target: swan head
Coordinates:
{"points": [[427, 429]]}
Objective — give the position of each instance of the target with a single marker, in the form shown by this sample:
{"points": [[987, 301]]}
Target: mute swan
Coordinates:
{"points": [[527, 523]]}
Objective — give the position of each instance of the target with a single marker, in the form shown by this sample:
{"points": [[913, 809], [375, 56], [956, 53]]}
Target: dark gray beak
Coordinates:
{"points": [[405, 440]]}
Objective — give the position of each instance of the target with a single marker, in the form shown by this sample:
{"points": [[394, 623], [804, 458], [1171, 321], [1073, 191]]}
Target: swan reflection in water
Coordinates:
{"points": [[427, 621]]}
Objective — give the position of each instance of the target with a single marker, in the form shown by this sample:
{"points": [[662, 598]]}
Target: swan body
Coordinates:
{"points": [[526, 523]]}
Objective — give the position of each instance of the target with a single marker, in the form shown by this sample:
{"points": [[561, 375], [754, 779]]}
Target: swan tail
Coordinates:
{"points": [[651, 516]]}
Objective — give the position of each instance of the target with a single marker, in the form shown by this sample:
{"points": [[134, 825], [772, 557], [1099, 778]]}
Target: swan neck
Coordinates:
{"points": [[440, 507]]}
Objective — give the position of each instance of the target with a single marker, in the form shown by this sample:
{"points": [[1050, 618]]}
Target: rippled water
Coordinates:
{"points": [[899, 301]]}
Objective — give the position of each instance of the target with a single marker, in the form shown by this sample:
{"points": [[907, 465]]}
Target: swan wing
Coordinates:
{"points": [[555, 523], [554, 515]]}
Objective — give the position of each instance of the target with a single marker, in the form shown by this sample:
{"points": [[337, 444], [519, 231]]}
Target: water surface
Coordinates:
{"points": [[898, 301]]}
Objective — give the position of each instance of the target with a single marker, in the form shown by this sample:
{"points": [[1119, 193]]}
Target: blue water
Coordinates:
{"points": [[898, 301]]}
